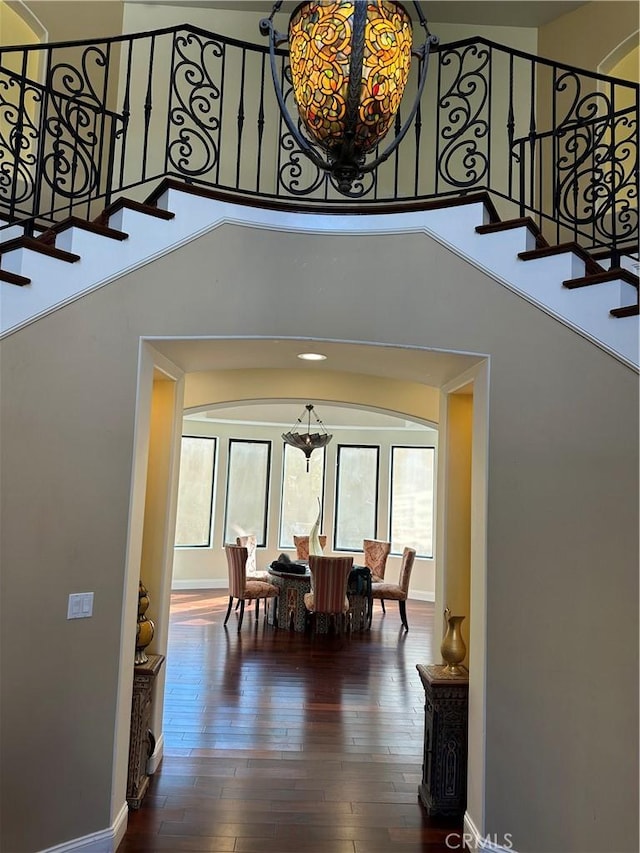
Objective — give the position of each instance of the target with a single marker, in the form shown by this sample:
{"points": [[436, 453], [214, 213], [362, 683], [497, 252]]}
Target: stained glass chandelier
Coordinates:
{"points": [[309, 441], [349, 61]]}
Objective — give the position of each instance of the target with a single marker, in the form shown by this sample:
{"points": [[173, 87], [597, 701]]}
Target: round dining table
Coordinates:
{"points": [[291, 612]]}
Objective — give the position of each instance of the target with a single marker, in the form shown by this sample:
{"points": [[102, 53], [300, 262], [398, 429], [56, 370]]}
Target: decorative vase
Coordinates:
{"points": [[453, 649], [315, 547], [146, 628]]}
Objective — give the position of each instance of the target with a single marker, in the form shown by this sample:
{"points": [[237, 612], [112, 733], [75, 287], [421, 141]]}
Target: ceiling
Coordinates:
{"points": [[428, 367], [505, 13], [285, 415]]}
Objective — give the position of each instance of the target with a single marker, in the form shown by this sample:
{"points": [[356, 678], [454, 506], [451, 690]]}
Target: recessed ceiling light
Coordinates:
{"points": [[311, 356]]}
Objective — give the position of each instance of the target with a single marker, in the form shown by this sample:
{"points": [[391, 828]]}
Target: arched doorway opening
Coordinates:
{"points": [[416, 383]]}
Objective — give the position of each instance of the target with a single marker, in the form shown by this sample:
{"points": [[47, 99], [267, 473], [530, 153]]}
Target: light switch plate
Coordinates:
{"points": [[80, 605]]}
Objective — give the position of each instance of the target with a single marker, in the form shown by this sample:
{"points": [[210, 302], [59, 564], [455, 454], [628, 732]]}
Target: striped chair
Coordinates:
{"points": [[397, 591], [376, 552], [241, 587], [328, 596], [302, 545]]}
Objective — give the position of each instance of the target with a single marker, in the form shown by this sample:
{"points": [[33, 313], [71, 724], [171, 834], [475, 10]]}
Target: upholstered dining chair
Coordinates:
{"points": [[243, 588], [249, 542], [302, 545], [376, 552], [328, 596], [397, 591]]}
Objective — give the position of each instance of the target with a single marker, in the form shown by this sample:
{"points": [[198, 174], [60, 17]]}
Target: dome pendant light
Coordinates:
{"points": [[309, 441]]}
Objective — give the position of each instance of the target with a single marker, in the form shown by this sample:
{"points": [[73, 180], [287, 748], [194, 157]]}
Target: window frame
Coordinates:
{"points": [[291, 547], [214, 469], [262, 540], [432, 448], [336, 506]]}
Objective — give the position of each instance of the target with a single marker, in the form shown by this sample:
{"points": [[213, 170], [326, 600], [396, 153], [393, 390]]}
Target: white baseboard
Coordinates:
{"points": [[475, 842], [105, 841], [420, 595], [153, 762], [200, 583]]}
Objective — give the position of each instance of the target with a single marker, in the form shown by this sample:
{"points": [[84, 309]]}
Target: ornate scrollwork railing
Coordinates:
{"points": [[103, 118]]}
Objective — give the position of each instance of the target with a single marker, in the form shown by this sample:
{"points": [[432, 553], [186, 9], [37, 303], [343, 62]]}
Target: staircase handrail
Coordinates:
{"points": [[476, 124]]}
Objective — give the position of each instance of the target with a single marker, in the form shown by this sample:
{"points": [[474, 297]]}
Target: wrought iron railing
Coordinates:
{"points": [[82, 122]]}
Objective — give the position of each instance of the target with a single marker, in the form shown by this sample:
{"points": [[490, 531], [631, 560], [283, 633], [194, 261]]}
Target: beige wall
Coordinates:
{"points": [[583, 38], [457, 506], [67, 20], [561, 523]]}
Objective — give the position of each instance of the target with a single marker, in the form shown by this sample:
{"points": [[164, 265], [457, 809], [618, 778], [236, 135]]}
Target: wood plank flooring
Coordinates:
{"points": [[277, 742]]}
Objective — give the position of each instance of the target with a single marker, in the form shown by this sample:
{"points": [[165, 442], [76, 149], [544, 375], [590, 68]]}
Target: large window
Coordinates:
{"points": [[195, 492], [356, 496], [412, 484], [300, 493], [247, 490]]}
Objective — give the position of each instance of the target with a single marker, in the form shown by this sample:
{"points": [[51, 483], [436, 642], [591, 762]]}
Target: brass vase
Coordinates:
{"points": [[453, 649], [146, 628]]}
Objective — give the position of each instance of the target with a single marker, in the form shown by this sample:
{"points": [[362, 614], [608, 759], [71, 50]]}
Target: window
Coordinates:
{"points": [[195, 492], [412, 484], [247, 490], [356, 496], [300, 493]]}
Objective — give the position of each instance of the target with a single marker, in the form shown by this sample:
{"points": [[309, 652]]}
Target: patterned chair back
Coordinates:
{"points": [[249, 542], [376, 552], [329, 578], [406, 567], [237, 566], [302, 545]]}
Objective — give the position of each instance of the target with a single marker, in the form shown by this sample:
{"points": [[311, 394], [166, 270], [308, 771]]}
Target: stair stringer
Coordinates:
{"points": [[55, 284]]}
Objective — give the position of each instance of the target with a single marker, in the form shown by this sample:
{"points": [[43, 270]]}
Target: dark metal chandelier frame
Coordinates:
{"points": [[348, 165], [309, 441]]}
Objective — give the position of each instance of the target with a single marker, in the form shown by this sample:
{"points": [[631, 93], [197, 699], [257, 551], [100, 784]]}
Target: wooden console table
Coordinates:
{"points": [[444, 771], [141, 739]]}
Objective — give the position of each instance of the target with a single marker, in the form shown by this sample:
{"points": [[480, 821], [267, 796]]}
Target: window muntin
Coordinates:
{"points": [[356, 510], [300, 493], [412, 499], [247, 498], [195, 492]]}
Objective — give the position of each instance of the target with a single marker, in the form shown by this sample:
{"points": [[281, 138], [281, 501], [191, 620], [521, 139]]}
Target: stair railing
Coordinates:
{"points": [[100, 119]]}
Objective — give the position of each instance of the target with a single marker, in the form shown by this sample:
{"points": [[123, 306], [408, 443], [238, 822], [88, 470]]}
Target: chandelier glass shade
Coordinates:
{"points": [[309, 441], [349, 62], [329, 58]]}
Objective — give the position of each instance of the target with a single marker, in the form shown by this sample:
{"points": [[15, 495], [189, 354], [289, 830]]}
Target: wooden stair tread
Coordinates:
{"points": [[626, 311], [614, 274], [85, 225], [14, 278], [34, 244], [509, 224], [130, 204], [591, 266]]}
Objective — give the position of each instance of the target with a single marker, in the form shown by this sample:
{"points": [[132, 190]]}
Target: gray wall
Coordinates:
{"points": [[562, 550]]}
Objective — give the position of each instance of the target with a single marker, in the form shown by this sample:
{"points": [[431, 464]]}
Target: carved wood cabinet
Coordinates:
{"points": [[444, 770], [141, 739]]}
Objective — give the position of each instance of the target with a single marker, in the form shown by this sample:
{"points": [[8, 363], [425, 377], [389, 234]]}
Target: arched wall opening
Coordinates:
{"points": [[166, 389]]}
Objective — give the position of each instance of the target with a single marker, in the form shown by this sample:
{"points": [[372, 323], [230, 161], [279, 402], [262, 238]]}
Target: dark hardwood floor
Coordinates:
{"points": [[277, 742]]}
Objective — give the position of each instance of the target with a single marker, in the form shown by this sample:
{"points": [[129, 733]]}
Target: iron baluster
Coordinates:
{"points": [[510, 134], [240, 119], [260, 123], [148, 106]]}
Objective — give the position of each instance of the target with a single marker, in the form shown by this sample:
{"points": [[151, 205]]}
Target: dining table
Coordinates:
{"points": [[294, 583]]}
